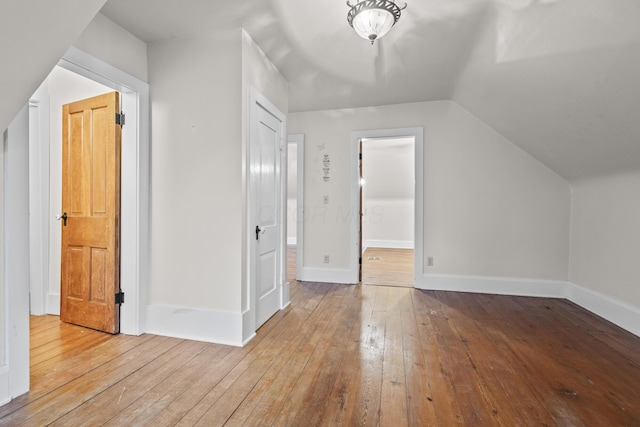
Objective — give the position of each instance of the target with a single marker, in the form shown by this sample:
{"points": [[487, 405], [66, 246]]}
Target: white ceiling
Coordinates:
{"points": [[559, 78]]}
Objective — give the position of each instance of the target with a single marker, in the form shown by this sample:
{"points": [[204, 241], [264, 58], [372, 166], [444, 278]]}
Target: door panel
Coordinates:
{"points": [[266, 158], [90, 275]]}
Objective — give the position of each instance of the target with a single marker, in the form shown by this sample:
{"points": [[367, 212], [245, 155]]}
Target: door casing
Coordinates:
{"points": [[355, 250], [298, 140], [135, 184]]}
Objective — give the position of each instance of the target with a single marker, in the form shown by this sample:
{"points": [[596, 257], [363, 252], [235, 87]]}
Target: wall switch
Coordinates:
{"points": [[429, 261], [326, 259], [325, 200]]}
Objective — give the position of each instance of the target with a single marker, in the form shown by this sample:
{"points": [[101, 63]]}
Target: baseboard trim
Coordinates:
{"points": [[325, 275], [194, 324], [390, 244], [285, 298], [5, 397], [615, 311], [53, 304], [248, 326], [495, 285]]}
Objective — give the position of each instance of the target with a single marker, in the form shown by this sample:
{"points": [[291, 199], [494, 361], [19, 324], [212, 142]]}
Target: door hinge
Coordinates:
{"points": [[360, 156], [120, 119], [360, 260], [120, 298]]}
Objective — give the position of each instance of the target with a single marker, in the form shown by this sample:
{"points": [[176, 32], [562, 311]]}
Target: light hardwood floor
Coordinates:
{"points": [[348, 355], [388, 267]]}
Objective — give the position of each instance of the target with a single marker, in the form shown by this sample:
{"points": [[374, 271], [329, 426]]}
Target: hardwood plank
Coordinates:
{"points": [[442, 398], [267, 395], [348, 355], [420, 410], [393, 394], [467, 387], [367, 396], [387, 267], [342, 400], [128, 392], [509, 393], [67, 397], [308, 397]]}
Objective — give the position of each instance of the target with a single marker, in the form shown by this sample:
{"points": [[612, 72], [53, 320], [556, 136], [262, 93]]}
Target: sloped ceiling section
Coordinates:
{"points": [[561, 79], [33, 37], [558, 78]]}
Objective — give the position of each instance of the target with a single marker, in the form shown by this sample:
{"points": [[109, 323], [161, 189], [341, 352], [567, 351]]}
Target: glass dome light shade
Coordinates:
{"points": [[372, 19], [371, 24]]}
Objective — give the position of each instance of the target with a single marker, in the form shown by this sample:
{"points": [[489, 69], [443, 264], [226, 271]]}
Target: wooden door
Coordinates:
{"points": [[265, 155], [90, 270]]}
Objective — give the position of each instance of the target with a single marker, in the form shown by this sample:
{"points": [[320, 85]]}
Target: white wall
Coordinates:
{"points": [[14, 375], [489, 208], [111, 43], [4, 369], [605, 236], [388, 223], [199, 103], [196, 173], [292, 192], [388, 168]]}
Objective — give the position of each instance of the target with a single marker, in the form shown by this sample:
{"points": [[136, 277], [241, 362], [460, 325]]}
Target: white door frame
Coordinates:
{"points": [[134, 243], [417, 133], [257, 100], [14, 374], [298, 140]]}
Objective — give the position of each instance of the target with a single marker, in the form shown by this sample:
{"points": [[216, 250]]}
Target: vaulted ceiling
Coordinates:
{"points": [[558, 78]]}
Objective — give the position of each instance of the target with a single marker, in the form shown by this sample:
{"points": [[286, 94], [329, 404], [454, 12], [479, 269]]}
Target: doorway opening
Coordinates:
{"points": [[45, 181], [134, 210], [414, 134], [387, 208], [295, 211]]}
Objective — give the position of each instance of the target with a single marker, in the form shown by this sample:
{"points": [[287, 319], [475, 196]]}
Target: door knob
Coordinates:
{"points": [[64, 218], [258, 231]]}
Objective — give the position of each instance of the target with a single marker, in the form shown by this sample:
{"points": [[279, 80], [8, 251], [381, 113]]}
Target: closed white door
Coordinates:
{"points": [[265, 165]]}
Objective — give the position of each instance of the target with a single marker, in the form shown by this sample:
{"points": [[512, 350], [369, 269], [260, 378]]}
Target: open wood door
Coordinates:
{"points": [[90, 272]]}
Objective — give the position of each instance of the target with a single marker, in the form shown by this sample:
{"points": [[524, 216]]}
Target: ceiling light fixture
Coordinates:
{"points": [[372, 19]]}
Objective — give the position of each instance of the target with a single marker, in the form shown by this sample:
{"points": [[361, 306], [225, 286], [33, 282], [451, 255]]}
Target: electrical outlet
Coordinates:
{"points": [[325, 200], [429, 261], [326, 259]]}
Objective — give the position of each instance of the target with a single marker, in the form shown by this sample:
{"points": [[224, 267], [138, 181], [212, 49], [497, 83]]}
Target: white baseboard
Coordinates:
{"points": [[53, 304], [494, 285], [194, 324], [248, 327], [5, 396], [292, 241], [285, 299], [391, 244], [617, 312], [326, 275]]}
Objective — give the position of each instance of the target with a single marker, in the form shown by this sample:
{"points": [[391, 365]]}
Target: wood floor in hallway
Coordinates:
{"points": [[387, 267], [348, 355]]}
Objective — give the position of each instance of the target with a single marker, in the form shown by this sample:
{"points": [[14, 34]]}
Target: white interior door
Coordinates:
{"points": [[265, 164]]}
